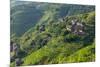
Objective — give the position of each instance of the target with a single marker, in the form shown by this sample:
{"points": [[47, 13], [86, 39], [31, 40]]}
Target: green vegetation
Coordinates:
{"points": [[25, 15], [50, 42], [83, 55]]}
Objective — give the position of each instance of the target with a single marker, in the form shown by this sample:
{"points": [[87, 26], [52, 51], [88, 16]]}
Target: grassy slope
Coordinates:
{"points": [[50, 51], [86, 54], [56, 50], [47, 55], [61, 53]]}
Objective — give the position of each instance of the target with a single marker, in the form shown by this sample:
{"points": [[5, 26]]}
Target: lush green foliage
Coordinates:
{"points": [[56, 44], [25, 15]]}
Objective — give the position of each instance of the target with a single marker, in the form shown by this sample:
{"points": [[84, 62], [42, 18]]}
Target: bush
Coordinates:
{"points": [[72, 38]]}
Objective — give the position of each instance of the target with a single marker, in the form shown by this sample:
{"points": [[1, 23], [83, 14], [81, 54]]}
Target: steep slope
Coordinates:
{"points": [[24, 15], [49, 39], [85, 54], [63, 46]]}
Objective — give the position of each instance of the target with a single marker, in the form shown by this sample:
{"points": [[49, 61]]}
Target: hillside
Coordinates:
{"points": [[62, 46], [63, 34], [57, 48], [25, 15]]}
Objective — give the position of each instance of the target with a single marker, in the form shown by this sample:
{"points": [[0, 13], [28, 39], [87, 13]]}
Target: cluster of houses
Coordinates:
{"points": [[77, 27]]}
